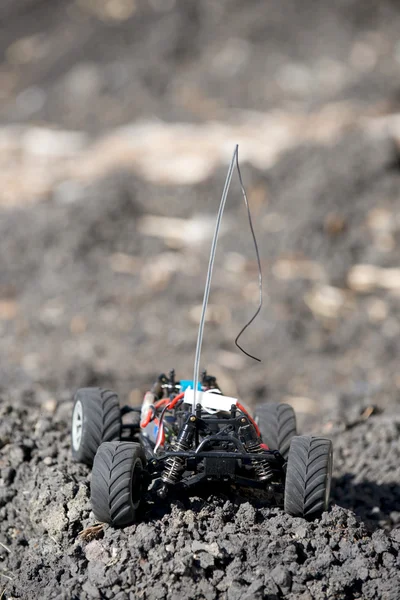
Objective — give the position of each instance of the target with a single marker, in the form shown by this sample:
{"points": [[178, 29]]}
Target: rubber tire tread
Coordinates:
{"points": [[277, 424], [114, 476], [308, 474], [101, 421]]}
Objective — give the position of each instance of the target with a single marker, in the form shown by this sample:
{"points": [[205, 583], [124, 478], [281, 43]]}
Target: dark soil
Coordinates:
{"points": [[214, 546], [71, 317], [133, 326], [193, 60]]}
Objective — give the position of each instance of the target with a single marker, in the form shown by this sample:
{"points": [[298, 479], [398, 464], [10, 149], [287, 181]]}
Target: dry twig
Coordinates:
{"points": [[92, 532]]}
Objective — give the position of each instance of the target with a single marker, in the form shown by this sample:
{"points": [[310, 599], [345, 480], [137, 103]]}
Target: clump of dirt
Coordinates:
{"points": [[215, 546]]}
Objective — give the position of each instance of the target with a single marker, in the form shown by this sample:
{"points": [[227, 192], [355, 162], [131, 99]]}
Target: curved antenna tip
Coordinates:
{"points": [[260, 285]]}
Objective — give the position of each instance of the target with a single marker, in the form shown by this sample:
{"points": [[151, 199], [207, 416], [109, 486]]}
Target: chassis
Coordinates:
{"points": [[165, 445]]}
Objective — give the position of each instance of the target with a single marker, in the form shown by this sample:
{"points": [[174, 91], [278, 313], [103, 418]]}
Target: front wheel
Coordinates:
{"points": [[118, 482], [308, 477]]}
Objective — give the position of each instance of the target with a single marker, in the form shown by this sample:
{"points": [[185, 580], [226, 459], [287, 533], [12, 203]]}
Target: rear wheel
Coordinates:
{"points": [[118, 482], [308, 477], [96, 418], [277, 423]]}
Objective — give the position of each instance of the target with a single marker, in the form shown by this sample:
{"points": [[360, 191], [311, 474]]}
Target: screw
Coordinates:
{"points": [[162, 492], [243, 420], [192, 418]]}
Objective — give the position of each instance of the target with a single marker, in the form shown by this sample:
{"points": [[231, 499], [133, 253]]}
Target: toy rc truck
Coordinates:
{"points": [[190, 433], [171, 445]]}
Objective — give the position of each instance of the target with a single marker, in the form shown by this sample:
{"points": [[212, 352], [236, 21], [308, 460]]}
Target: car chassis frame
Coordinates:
{"points": [[218, 457]]}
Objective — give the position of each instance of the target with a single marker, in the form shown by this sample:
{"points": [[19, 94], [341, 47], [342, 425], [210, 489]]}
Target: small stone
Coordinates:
{"points": [[55, 521], [254, 591], [395, 534], [91, 590], [395, 516], [388, 560], [363, 574], [235, 591], [96, 552], [212, 548], [246, 513], [306, 596], [206, 560], [159, 591], [380, 542], [42, 426], [325, 559], [121, 596], [301, 532], [16, 455], [282, 577]]}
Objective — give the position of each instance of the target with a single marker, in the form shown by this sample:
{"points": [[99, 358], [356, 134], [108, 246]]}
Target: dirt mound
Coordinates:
{"points": [[214, 546]]}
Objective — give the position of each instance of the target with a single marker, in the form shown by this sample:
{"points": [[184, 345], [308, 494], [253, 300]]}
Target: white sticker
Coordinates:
{"points": [[210, 400]]}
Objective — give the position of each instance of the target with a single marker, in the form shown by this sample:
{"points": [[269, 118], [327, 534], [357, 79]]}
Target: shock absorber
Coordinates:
{"points": [[175, 465], [252, 444], [261, 467]]}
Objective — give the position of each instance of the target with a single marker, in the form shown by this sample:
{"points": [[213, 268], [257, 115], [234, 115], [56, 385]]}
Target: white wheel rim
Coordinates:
{"points": [[77, 423]]}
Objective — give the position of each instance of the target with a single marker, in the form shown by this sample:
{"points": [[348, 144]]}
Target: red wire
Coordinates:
{"points": [[147, 419], [240, 407], [164, 401], [171, 405], [160, 429], [176, 400]]}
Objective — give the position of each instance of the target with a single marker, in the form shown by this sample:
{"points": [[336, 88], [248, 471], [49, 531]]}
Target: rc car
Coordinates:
{"points": [[170, 446], [189, 432]]}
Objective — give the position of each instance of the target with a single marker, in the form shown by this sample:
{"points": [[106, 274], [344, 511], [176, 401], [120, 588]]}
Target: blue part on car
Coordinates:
{"points": [[188, 383]]}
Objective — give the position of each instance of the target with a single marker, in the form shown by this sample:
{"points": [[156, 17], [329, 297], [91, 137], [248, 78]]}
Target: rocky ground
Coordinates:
{"points": [[117, 121], [218, 545]]}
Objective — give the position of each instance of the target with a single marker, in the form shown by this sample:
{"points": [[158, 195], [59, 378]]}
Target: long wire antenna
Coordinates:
{"points": [[260, 283], [234, 161], [209, 275]]}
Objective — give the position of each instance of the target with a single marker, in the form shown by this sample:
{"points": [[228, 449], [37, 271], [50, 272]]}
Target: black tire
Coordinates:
{"points": [[118, 482], [277, 423], [96, 418], [308, 477]]}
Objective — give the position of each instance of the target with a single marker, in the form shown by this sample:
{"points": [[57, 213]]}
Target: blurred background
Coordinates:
{"points": [[118, 119]]}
